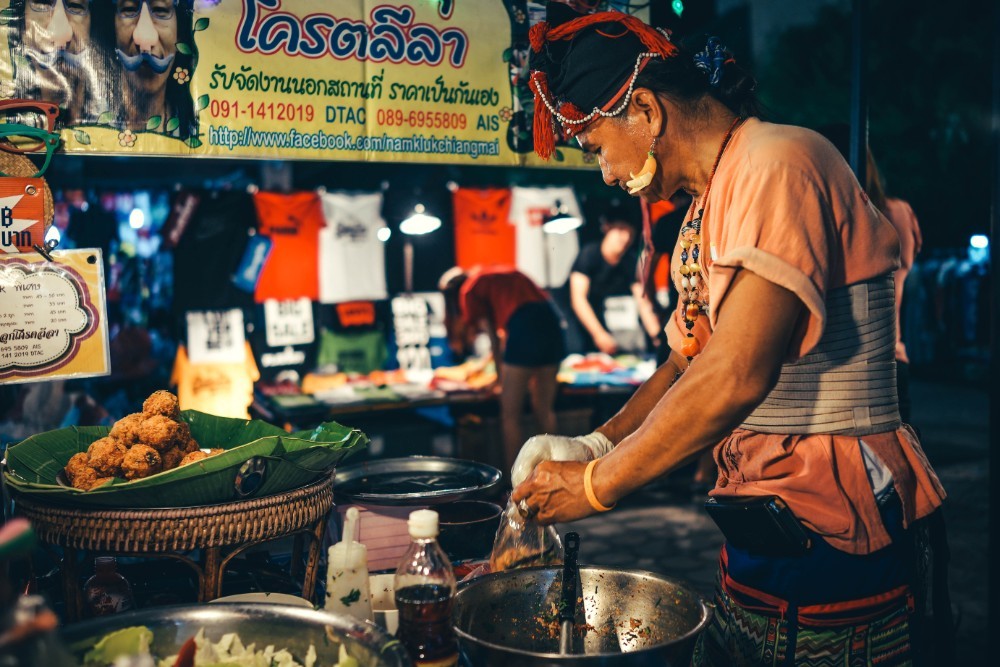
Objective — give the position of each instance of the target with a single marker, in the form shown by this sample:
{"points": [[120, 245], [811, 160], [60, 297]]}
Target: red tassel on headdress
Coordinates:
{"points": [[571, 112], [650, 37], [537, 34], [545, 136]]}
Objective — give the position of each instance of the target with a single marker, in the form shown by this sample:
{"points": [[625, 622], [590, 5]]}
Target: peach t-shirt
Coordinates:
{"points": [[785, 205]]}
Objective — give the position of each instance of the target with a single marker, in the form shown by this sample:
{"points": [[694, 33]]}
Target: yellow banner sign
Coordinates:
{"points": [[429, 81]]}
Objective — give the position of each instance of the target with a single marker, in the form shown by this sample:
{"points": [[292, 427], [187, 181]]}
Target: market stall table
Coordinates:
{"points": [[219, 532]]}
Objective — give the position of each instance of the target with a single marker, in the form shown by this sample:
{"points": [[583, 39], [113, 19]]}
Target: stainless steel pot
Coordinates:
{"points": [[626, 617], [293, 628]]}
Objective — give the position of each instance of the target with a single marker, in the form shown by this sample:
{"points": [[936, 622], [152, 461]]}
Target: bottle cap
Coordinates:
{"points": [[423, 524]]}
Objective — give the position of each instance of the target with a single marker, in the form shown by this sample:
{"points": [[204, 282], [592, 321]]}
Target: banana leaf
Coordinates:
{"points": [[291, 460]]}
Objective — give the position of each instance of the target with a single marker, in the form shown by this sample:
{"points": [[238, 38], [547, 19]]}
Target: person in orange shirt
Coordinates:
{"points": [[526, 336], [782, 351]]}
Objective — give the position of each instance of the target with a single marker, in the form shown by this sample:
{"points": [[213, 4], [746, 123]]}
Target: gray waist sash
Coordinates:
{"points": [[847, 384]]}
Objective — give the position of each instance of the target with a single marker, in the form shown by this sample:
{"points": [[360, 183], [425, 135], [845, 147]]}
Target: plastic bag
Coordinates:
{"points": [[520, 542]]}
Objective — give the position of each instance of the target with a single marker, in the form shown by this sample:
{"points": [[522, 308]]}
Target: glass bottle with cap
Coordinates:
{"points": [[424, 586]]}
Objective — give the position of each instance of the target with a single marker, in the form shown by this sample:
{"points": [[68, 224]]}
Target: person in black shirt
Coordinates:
{"points": [[604, 286]]}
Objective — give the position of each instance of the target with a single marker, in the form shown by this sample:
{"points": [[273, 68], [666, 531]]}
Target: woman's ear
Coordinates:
{"points": [[649, 109]]}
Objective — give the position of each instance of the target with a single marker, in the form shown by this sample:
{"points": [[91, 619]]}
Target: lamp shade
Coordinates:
{"points": [[419, 222]]}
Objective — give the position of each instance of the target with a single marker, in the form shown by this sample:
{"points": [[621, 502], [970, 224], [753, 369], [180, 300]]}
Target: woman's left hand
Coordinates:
{"points": [[554, 492]]}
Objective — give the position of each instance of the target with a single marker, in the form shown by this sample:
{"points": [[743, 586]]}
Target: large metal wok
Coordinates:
{"points": [[292, 628], [623, 617]]}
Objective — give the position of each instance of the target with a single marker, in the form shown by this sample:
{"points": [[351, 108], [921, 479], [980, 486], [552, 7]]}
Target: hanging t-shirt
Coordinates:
{"points": [[484, 234], [284, 338], [545, 258], [293, 222], [208, 251], [352, 353], [352, 259], [223, 389]]}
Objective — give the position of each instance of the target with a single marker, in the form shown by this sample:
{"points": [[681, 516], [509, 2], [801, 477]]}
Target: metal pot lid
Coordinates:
{"points": [[413, 480]]}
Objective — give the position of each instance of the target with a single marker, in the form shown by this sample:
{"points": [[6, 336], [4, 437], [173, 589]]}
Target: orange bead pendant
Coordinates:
{"points": [[690, 347], [691, 311]]}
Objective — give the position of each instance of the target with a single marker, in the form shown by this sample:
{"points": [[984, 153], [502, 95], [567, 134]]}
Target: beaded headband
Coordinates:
{"points": [[571, 119]]}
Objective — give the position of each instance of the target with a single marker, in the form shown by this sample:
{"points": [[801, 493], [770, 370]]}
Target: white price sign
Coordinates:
{"points": [[289, 322]]}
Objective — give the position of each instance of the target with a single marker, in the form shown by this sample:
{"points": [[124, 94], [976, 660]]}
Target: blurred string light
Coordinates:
{"points": [[979, 241], [383, 234], [136, 218], [677, 6]]}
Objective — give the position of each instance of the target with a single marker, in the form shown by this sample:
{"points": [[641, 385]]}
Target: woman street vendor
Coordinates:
{"points": [[782, 351]]}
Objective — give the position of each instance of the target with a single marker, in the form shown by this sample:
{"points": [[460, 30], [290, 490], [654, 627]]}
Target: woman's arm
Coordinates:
{"points": [[647, 311], [735, 372], [645, 398], [579, 288]]}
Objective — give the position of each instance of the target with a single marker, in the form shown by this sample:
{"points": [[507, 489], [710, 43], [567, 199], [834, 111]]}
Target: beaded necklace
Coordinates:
{"points": [[693, 281]]}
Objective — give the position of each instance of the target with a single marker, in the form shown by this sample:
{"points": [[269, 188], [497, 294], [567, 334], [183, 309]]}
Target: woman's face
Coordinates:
{"points": [[622, 144]]}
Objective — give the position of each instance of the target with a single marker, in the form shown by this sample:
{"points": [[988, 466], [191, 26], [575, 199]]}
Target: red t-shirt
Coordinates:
{"points": [[494, 293], [483, 233], [293, 222]]}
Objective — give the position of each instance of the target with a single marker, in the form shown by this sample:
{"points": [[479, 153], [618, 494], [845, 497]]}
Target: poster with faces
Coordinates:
{"points": [[216, 336]]}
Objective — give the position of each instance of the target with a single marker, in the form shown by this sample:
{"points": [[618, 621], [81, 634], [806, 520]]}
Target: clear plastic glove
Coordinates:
{"points": [[557, 448]]}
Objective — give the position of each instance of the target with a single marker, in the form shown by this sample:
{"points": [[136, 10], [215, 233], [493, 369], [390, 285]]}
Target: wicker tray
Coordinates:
{"points": [[154, 531]]}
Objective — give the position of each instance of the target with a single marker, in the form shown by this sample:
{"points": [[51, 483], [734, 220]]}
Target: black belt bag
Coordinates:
{"points": [[761, 525]]}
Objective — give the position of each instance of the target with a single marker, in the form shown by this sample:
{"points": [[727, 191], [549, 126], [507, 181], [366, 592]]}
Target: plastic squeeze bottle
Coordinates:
{"points": [[424, 585], [347, 589]]}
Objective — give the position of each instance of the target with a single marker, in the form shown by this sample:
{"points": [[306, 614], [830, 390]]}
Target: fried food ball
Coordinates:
{"points": [[193, 456], [84, 478], [191, 446], [97, 482], [159, 432], [106, 456], [162, 403], [172, 457], [141, 461], [126, 429], [76, 464]]}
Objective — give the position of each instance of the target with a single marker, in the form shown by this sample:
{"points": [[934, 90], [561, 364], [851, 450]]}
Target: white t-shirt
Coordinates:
{"points": [[351, 258], [545, 258]]}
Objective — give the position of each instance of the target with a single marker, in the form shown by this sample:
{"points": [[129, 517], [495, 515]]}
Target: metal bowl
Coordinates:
{"points": [[631, 617], [290, 627]]}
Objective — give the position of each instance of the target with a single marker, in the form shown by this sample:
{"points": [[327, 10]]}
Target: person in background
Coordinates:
{"points": [[605, 293], [904, 220], [526, 338], [782, 348]]}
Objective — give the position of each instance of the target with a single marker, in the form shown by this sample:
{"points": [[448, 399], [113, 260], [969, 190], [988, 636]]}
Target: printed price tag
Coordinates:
{"points": [[216, 337], [53, 318], [22, 214], [289, 322]]}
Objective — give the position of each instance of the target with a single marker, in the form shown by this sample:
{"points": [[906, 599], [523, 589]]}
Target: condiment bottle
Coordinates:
{"points": [[347, 588], [424, 586], [107, 592]]}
